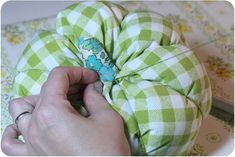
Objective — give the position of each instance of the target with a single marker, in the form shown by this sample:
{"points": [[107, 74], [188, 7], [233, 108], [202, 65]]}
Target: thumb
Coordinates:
{"points": [[93, 99]]}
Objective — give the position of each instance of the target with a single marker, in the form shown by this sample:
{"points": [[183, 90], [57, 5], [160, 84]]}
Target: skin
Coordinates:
{"points": [[56, 128]]}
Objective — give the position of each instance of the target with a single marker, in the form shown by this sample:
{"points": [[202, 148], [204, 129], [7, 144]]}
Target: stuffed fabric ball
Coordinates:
{"points": [[149, 76]]}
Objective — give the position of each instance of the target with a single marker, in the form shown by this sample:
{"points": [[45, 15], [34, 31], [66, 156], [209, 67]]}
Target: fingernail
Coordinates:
{"points": [[98, 86]]}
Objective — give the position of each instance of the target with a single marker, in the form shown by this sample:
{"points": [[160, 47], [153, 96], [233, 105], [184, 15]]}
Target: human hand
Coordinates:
{"points": [[56, 128]]}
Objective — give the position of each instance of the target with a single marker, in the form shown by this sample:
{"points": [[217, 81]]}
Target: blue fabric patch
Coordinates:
{"points": [[95, 58]]}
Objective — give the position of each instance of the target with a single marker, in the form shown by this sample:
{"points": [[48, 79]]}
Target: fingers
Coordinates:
{"points": [[77, 88], [32, 99], [10, 144], [93, 100], [61, 78], [20, 105]]}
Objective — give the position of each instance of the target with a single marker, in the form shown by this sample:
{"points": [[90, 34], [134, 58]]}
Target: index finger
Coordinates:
{"points": [[61, 78]]}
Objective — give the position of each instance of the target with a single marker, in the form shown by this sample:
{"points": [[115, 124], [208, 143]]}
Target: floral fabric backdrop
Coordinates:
{"points": [[208, 27]]}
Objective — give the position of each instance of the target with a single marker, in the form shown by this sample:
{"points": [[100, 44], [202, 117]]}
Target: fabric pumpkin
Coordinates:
{"points": [[150, 77]]}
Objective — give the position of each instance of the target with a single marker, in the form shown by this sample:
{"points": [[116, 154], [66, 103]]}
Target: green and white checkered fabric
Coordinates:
{"points": [[161, 93]]}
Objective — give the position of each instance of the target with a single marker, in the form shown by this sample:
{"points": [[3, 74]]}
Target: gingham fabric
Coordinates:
{"points": [[161, 90]]}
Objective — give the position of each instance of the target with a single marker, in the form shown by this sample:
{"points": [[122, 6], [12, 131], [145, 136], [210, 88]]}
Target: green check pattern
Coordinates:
{"points": [[161, 90]]}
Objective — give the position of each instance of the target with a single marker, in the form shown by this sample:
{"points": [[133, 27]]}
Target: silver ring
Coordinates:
{"points": [[20, 116]]}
